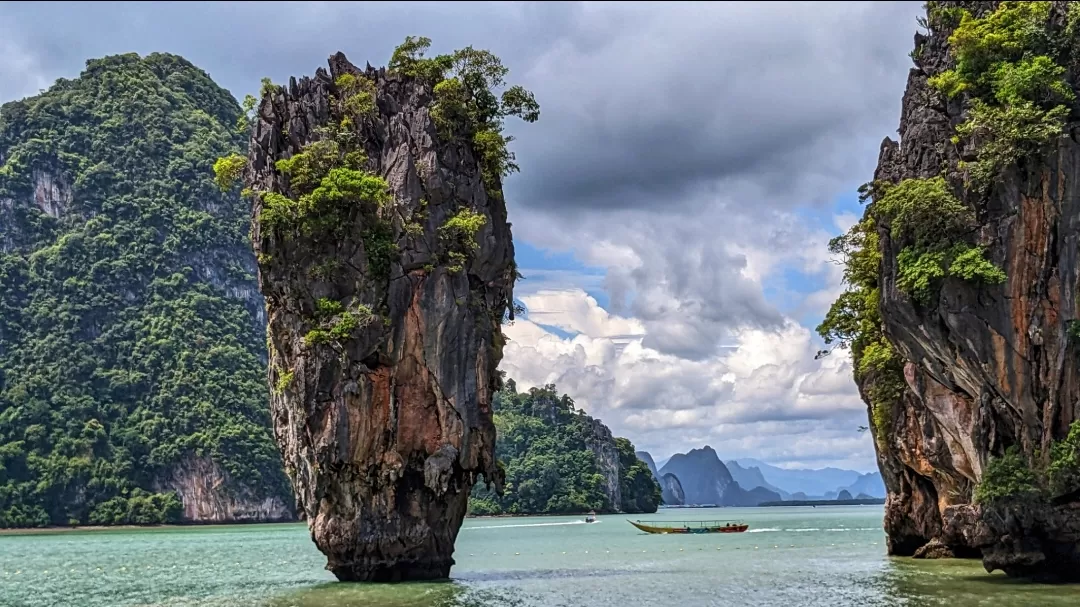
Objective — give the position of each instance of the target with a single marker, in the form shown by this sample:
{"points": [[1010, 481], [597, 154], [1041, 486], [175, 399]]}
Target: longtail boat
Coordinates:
{"points": [[690, 527]]}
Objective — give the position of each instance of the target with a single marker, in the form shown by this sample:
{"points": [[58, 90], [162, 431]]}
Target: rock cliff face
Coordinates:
{"points": [[208, 496], [385, 286], [646, 457], [602, 443], [704, 478], [671, 491], [986, 371]]}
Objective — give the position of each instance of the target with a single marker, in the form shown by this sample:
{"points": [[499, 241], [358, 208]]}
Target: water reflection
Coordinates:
{"points": [[511, 575], [964, 583], [891, 582], [428, 594]]}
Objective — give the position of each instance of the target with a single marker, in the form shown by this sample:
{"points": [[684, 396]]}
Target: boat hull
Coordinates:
{"points": [[691, 528]]}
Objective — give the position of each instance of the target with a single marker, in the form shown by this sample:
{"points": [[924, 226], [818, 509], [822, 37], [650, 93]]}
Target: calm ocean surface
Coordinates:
{"points": [[824, 556]]}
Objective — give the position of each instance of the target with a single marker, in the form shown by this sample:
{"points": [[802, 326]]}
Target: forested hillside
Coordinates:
{"points": [[560, 460], [132, 355], [132, 336]]}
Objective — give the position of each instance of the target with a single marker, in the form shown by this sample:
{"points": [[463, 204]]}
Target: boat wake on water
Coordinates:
{"points": [[531, 525], [811, 529]]}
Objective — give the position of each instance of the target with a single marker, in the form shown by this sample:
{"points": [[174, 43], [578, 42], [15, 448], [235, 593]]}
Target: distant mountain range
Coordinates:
{"points": [[700, 477], [820, 482], [706, 480]]}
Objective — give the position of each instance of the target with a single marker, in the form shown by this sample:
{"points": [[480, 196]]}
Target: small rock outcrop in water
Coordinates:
{"points": [[387, 265], [962, 311], [934, 549]]}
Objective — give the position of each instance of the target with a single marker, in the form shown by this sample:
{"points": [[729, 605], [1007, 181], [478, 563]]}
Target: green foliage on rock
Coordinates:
{"points": [[466, 104], [637, 486], [327, 182], [1009, 63], [335, 322], [124, 351], [931, 223], [330, 188], [1063, 473], [459, 235], [930, 226], [545, 444], [283, 382], [1016, 477], [1007, 477], [854, 321], [227, 170], [358, 95]]}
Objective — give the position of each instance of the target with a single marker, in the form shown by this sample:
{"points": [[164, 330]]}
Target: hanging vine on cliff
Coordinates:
{"points": [[854, 321]]}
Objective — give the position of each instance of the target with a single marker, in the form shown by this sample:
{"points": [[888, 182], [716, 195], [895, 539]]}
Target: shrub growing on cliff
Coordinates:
{"points": [[328, 182], [854, 321], [358, 95], [283, 382], [227, 170], [1063, 473], [1006, 62], [335, 322], [459, 235], [1008, 477], [467, 107], [1013, 476], [931, 223]]}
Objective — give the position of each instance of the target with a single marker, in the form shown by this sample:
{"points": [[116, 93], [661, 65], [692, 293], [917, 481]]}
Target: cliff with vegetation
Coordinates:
{"points": [[558, 460], [132, 361], [961, 310], [387, 265], [671, 491]]}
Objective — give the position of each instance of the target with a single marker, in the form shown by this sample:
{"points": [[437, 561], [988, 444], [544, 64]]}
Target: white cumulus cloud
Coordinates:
{"points": [[766, 396]]}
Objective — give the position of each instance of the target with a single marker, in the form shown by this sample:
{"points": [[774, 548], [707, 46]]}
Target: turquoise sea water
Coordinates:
{"points": [[790, 556]]}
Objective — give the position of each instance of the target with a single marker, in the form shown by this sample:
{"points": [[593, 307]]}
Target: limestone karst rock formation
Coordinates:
{"points": [[962, 308], [387, 264]]}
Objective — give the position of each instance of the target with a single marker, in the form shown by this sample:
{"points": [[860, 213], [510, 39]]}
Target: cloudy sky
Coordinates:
{"points": [[675, 200]]}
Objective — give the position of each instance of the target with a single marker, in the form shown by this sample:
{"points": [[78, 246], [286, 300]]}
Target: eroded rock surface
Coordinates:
{"points": [[384, 430], [986, 366], [208, 496]]}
